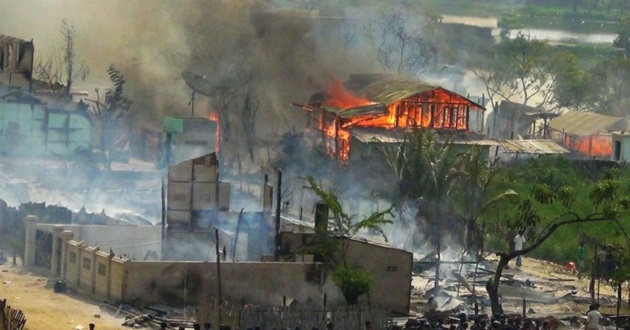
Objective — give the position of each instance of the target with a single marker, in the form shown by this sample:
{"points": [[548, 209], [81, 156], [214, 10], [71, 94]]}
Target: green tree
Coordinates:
{"points": [[526, 59], [570, 86], [530, 70], [607, 203], [610, 89], [353, 280]]}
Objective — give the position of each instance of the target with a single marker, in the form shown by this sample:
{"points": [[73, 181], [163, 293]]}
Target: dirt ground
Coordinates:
{"points": [[44, 309]]}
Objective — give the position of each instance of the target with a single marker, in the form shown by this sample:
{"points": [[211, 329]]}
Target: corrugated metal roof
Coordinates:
{"points": [[585, 123], [377, 135], [519, 107], [388, 91], [374, 109], [383, 135], [391, 90], [541, 147]]}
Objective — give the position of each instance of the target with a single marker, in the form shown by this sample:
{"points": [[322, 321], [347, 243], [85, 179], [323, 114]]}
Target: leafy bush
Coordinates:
{"points": [[353, 282]]}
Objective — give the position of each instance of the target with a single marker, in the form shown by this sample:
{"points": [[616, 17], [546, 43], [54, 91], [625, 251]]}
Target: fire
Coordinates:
{"points": [[340, 97], [595, 145], [434, 108], [214, 116], [338, 141]]}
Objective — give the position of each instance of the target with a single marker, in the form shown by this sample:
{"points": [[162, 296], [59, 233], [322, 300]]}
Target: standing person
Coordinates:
{"points": [[580, 258], [518, 246], [593, 317]]}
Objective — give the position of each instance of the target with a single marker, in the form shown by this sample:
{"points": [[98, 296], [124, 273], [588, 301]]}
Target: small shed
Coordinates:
{"points": [[586, 133]]}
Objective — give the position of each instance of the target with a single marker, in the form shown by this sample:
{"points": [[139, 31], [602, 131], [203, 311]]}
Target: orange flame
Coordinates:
{"points": [[214, 117], [437, 108], [340, 97], [594, 146]]}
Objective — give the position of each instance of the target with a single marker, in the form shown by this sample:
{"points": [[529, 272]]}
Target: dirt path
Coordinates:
{"points": [[45, 309]]}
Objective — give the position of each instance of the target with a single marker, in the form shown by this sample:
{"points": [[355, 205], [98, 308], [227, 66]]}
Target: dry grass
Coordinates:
{"points": [[45, 309]]}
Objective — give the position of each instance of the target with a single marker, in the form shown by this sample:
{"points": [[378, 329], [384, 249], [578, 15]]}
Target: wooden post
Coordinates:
{"points": [[524, 308], [238, 228], [277, 222], [618, 305], [163, 196], [220, 294]]}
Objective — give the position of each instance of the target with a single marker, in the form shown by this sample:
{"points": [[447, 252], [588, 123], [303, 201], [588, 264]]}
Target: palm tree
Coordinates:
{"points": [[426, 169], [475, 194]]}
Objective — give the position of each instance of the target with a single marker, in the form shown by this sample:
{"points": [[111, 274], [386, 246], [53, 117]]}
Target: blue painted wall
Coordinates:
{"points": [[34, 130]]}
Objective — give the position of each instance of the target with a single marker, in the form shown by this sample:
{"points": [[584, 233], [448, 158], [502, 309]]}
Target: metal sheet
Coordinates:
{"points": [[205, 168], [179, 196], [204, 196], [532, 147], [181, 172], [586, 123], [225, 189]]}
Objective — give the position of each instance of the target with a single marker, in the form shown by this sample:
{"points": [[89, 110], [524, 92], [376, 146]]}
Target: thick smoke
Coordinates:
{"points": [[153, 42], [278, 53]]}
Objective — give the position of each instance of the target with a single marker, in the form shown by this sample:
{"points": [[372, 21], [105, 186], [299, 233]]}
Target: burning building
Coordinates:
{"points": [[388, 106], [586, 133]]}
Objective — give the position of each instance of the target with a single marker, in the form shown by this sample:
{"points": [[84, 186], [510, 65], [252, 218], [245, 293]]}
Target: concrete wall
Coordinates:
{"points": [[390, 267], [130, 240], [94, 271], [620, 147], [258, 283], [34, 130]]}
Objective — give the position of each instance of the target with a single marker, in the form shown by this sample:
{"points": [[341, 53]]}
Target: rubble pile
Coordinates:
{"points": [[538, 293]]}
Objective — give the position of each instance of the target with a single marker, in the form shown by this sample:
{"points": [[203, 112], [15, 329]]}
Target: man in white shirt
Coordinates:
{"points": [[593, 318], [518, 246]]}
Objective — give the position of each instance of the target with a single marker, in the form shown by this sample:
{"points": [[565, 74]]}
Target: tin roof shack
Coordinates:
{"points": [[586, 133], [390, 267], [367, 142], [384, 102], [514, 120], [16, 61]]}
